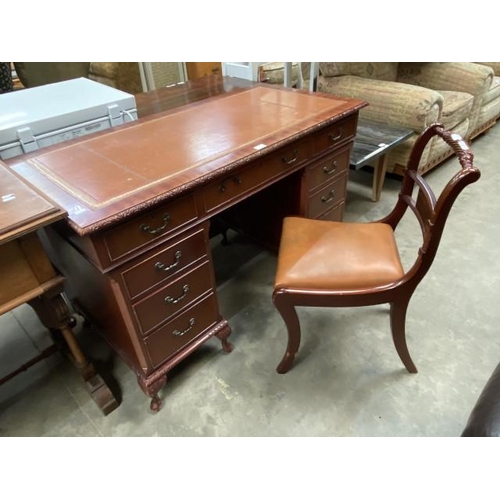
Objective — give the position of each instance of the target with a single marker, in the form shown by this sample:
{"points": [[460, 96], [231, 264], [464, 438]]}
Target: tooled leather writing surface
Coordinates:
{"points": [[97, 177]]}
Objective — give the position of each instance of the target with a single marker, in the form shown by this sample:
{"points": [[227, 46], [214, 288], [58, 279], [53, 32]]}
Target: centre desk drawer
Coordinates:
{"points": [[335, 134], [170, 338], [160, 266], [240, 182], [326, 169], [159, 306], [327, 198], [149, 225]]}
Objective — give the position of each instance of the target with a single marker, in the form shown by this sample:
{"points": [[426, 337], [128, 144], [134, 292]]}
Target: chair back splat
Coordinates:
{"points": [[310, 272]]}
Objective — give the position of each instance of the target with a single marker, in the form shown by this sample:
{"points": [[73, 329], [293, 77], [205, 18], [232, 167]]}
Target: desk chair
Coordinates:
{"points": [[342, 264]]}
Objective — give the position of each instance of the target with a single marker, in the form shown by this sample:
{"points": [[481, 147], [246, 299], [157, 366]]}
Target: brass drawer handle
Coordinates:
{"points": [[336, 137], [147, 229], [291, 160], [222, 186], [162, 267], [171, 300], [331, 170], [178, 333], [331, 195]]}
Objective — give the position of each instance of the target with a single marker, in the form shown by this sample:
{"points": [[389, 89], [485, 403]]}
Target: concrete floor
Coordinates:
{"points": [[347, 380]]}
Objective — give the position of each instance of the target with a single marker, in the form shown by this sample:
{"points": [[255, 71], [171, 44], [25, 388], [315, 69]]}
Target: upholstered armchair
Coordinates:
{"points": [[121, 75], [413, 95]]}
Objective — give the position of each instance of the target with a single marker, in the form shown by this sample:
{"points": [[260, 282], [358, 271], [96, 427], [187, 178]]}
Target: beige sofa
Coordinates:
{"points": [[413, 95]]}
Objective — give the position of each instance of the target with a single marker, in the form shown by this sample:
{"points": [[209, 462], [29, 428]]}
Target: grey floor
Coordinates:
{"points": [[348, 379]]}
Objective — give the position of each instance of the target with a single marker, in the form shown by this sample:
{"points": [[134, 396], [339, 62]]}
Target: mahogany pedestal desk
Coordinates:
{"points": [[27, 276], [140, 198]]}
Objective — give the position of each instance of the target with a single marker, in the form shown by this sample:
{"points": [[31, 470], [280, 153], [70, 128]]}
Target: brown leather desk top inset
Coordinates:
{"points": [[97, 178]]}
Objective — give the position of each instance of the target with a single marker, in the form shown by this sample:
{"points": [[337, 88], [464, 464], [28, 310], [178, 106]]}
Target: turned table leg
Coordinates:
{"points": [[54, 314]]}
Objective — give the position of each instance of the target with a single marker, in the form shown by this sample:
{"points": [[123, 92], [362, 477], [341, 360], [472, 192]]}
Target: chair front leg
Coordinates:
{"points": [[398, 328], [286, 308]]}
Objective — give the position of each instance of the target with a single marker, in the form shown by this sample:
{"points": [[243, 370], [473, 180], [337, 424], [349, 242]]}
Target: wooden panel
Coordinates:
{"points": [[22, 207], [162, 265], [17, 277], [327, 197], [149, 226], [164, 343], [174, 297]]}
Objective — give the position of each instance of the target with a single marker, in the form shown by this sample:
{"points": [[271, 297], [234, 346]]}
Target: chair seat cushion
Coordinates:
{"points": [[456, 107], [336, 256]]}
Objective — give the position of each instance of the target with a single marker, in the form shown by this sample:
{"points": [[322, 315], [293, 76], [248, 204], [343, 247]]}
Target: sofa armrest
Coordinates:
{"points": [[495, 66], [484, 420], [467, 77], [392, 103]]}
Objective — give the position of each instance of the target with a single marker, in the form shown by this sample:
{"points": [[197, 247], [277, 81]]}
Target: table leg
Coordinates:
{"points": [[379, 177], [54, 314]]}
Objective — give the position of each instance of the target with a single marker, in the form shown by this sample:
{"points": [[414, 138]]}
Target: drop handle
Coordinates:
{"points": [[162, 267], [223, 187], [331, 195], [334, 138], [330, 171], [176, 300], [145, 228], [291, 161], [180, 333]]}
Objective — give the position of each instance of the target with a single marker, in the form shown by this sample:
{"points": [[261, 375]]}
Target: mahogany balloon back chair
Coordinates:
{"points": [[343, 264]]}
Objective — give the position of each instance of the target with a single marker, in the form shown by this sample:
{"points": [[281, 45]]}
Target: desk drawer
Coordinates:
{"points": [[335, 214], [162, 265], [231, 187], [327, 197], [170, 338], [162, 304], [335, 134], [285, 158], [326, 169], [148, 226]]}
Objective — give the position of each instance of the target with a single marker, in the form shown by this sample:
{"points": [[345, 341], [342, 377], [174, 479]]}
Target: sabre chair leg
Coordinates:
{"points": [[289, 315], [398, 322]]}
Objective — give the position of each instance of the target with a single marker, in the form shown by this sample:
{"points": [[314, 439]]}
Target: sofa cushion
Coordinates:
{"points": [[376, 70], [456, 107]]}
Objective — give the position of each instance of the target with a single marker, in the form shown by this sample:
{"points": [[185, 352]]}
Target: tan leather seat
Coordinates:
{"points": [[336, 256]]}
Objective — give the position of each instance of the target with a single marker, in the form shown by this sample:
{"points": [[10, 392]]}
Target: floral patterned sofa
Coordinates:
{"points": [[413, 95]]}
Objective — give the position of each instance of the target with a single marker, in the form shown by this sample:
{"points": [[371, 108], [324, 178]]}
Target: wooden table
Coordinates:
{"points": [[140, 199], [27, 276], [373, 141]]}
